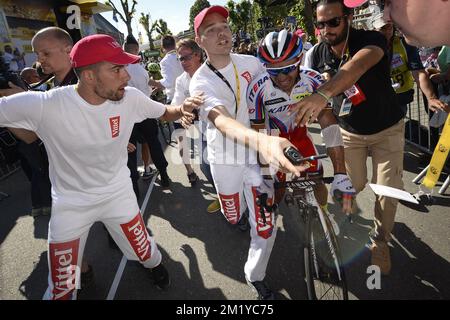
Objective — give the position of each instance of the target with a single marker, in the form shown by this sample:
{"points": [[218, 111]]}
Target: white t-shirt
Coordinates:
{"points": [[86, 144], [308, 45], [139, 78], [307, 60], [216, 93], [181, 90], [170, 69]]}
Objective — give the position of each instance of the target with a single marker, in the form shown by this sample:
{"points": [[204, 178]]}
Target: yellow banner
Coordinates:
{"points": [[440, 155]]}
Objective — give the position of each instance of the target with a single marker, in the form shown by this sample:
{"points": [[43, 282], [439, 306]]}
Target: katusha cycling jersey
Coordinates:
{"points": [[270, 105]]}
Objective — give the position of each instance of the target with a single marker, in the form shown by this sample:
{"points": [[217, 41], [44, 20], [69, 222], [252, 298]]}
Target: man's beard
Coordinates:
{"points": [[339, 38], [107, 94]]}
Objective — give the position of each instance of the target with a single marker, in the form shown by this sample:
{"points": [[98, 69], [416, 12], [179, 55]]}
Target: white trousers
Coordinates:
{"points": [[68, 231], [237, 188]]}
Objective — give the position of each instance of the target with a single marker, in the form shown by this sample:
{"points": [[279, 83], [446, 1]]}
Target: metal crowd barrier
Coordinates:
{"points": [[421, 135]]}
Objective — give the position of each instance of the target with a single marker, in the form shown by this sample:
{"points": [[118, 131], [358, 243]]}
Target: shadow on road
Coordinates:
{"points": [[136, 283], [417, 271]]}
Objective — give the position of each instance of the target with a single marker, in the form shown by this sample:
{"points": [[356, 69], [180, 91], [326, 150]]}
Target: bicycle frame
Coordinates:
{"points": [[309, 200]]}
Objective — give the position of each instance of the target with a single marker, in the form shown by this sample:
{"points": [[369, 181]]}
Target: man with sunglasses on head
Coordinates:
{"points": [[270, 97], [191, 58], [370, 116]]}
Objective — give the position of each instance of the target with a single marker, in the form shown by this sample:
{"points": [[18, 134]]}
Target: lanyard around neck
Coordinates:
{"points": [[237, 98]]}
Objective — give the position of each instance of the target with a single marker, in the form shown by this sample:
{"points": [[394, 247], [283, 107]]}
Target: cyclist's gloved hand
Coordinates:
{"points": [[343, 192]]}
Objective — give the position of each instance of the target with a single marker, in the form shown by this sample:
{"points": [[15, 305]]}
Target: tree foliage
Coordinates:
{"points": [[162, 28], [145, 21], [240, 15], [198, 6], [276, 13], [128, 12]]}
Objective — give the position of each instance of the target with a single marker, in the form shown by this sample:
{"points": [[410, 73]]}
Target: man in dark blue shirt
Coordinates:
{"points": [[370, 117]]}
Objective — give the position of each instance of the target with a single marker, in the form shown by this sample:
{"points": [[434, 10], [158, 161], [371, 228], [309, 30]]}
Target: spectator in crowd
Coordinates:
{"points": [[428, 56], [30, 75], [224, 80], [170, 68], [148, 128], [43, 77], [252, 49], [242, 48], [304, 36], [191, 58], [318, 35], [406, 67], [89, 177], [370, 117], [10, 59], [443, 76], [20, 58]]}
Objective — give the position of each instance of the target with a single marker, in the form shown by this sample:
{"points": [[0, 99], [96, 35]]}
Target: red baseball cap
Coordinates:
{"points": [[201, 16], [97, 48], [354, 3]]}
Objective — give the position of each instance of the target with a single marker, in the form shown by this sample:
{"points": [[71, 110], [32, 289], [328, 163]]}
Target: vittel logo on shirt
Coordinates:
{"points": [[63, 264], [231, 207], [114, 123], [264, 230], [247, 76], [137, 235]]}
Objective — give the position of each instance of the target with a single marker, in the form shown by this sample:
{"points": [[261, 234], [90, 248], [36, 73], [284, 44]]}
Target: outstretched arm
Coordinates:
{"points": [[184, 110], [310, 107], [271, 148]]}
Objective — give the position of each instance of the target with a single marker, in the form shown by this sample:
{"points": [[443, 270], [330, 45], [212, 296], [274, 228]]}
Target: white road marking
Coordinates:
{"points": [[123, 262]]}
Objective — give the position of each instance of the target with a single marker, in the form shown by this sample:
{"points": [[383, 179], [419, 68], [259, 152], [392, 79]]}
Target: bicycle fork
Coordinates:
{"points": [[310, 198]]}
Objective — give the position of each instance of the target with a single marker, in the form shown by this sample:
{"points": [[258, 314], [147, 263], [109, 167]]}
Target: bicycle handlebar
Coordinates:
{"points": [[303, 182]]}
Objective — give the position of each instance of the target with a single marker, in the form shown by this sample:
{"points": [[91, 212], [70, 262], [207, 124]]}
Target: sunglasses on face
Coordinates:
{"points": [[187, 57], [284, 70], [332, 23]]}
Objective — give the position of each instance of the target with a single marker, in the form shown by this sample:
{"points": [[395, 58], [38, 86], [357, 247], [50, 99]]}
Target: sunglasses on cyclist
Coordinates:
{"points": [[284, 70], [186, 57], [332, 23]]}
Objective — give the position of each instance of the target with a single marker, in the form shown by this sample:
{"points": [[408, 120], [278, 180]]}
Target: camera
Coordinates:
{"points": [[8, 76], [293, 155]]}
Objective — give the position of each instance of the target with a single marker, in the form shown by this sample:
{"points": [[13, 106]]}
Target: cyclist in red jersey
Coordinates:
{"points": [[270, 98]]}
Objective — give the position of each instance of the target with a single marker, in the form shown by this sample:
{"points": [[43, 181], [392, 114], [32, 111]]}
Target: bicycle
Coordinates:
{"points": [[324, 270]]}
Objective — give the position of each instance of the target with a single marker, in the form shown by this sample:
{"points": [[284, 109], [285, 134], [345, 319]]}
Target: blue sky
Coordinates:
{"points": [[174, 12]]}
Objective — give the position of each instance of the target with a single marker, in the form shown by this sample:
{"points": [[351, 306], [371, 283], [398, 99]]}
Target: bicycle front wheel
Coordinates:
{"points": [[325, 276]]}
